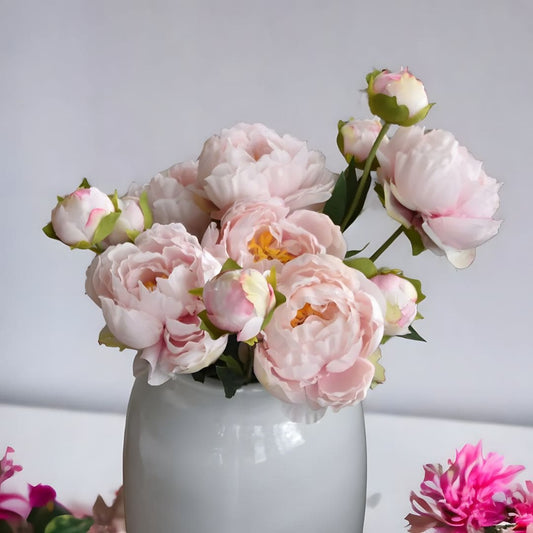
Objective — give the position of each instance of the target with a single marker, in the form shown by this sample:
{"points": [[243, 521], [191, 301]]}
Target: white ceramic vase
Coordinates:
{"points": [[196, 462]]}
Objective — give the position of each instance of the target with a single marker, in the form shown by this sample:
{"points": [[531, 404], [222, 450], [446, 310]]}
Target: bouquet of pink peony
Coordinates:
{"points": [[475, 494], [234, 266]]}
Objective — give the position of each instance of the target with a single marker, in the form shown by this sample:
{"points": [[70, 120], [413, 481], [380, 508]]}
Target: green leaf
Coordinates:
{"points": [[413, 335], [81, 245], [364, 265], [230, 264], [108, 339], [232, 363], [146, 211], [50, 232], [105, 226], [114, 199], [417, 246], [387, 108], [132, 234], [335, 207], [380, 192], [84, 184], [207, 325], [231, 380], [69, 524], [351, 253], [39, 517]]}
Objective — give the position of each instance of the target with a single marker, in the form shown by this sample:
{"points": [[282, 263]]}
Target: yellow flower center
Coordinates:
{"points": [[265, 247], [151, 284], [303, 313]]}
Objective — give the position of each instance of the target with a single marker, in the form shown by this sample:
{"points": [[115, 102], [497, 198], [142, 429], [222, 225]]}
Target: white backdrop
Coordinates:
{"points": [[116, 90]]}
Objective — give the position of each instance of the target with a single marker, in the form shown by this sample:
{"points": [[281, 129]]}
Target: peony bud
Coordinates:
{"points": [[76, 217], [130, 222], [397, 97], [356, 139], [238, 301], [401, 296]]}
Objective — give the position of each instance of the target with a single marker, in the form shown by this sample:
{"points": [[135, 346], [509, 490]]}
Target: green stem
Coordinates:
{"points": [[250, 368], [387, 243], [365, 176]]}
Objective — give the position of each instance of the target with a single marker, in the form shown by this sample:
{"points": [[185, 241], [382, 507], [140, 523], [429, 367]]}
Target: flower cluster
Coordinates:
{"points": [[37, 509], [235, 266], [475, 494]]}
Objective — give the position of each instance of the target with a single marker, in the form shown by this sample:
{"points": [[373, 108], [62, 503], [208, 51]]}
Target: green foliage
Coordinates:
{"points": [[417, 246], [84, 184], [146, 211], [364, 265], [412, 335], [108, 339], [207, 325], [230, 264], [105, 227], [336, 206], [50, 232], [39, 517], [69, 524]]}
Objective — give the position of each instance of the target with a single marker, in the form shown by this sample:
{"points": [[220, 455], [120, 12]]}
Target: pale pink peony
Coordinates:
{"points": [[238, 301], [131, 219], [358, 137], [143, 290], [435, 185], [401, 296], [172, 198], [522, 504], [316, 347], [467, 497], [253, 162], [76, 217], [262, 235]]}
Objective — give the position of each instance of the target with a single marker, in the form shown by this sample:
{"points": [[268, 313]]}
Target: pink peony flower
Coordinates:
{"points": [[522, 505], [358, 137], [172, 198], [400, 295], [76, 217], [253, 162], [143, 290], [463, 498], [131, 220], [316, 347], [435, 185], [262, 235], [238, 301]]}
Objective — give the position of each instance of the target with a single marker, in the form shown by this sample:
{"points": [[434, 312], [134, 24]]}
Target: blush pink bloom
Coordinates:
{"points": [[400, 296], [315, 349], [262, 235], [358, 137], [435, 185], [131, 220], [238, 301], [522, 504], [143, 290], [76, 217], [467, 497], [253, 162], [172, 198]]}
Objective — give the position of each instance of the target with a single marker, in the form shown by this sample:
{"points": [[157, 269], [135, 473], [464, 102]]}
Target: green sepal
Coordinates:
{"points": [[340, 140], [40, 517], [132, 234], [280, 299], [82, 245], [60, 199], [50, 232], [199, 291], [230, 264], [379, 370], [105, 227], [114, 199], [364, 265], [417, 284], [146, 211], [378, 188], [417, 246], [84, 184], [69, 524], [412, 335], [107, 338], [335, 207], [351, 253], [207, 325]]}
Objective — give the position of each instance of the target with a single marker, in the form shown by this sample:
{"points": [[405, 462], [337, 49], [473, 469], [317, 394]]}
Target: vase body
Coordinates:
{"points": [[196, 462]]}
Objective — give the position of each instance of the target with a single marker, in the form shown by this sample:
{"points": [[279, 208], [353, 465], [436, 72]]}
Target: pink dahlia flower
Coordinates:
{"points": [[470, 495], [253, 162], [435, 185]]}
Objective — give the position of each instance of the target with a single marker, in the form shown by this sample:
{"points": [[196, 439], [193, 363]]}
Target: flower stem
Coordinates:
{"points": [[387, 243], [365, 176]]}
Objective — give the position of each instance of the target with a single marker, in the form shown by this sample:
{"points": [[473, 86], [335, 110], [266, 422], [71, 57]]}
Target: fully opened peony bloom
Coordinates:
{"points": [[262, 235], [143, 290], [467, 497], [316, 347], [238, 301], [435, 185], [253, 162]]}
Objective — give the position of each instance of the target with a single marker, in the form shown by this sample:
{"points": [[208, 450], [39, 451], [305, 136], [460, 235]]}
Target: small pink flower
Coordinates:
{"points": [[315, 349], [76, 217], [462, 499], [238, 301], [131, 219], [358, 137], [436, 186], [522, 504], [401, 296], [13, 506], [252, 162]]}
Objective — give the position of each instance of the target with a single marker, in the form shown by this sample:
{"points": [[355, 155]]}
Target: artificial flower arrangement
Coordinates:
{"points": [[37, 510], [234, 266], [475, 494]]}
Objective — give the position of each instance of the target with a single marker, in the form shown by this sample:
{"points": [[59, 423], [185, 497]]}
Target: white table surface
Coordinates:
{"points": [[79, 454]]}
